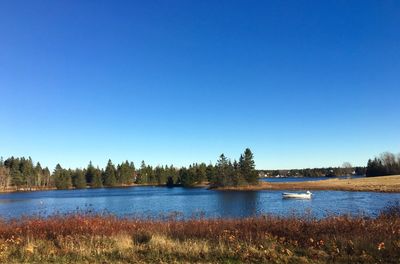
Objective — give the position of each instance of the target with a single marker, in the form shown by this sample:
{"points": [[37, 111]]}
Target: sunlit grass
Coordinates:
{"points": [[88, 238]]}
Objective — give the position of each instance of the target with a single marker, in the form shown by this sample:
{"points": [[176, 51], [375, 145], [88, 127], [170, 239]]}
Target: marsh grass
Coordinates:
{"points": [[86, 238]]}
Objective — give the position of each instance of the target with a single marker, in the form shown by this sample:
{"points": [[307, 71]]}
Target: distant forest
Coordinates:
{"points": [[21, 173], [316, 172], [385, 164]]}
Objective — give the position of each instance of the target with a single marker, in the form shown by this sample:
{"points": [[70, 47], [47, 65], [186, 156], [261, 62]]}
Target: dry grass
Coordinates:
{"points": [[108, 239], [374, 184]]}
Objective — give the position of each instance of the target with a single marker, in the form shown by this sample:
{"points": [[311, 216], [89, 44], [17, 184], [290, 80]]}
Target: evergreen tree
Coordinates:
{"points": [[79, 179], [47, 179], [26, 169], [38, 173], [89, 175], [109, 176], [201, 173], [164, 174], [247, 167], [186, 177], [386, 164], [150, 175], [97, 181], [62, 178], [210, 172], [236, 174], [142, 177], [21, 172], [170, 181], [16, 178], [125, 173], [13, 166], [159, 175], [222, 170], [172, 172]]}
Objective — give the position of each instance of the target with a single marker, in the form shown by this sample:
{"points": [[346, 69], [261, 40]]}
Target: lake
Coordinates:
{"points": [[156, 201]]}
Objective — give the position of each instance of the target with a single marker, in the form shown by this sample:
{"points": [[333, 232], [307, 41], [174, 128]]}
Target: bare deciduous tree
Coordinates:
{"points": [[347, 168]]}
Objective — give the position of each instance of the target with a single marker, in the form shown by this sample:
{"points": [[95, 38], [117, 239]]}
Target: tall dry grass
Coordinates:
{"points": [[99, 238]]}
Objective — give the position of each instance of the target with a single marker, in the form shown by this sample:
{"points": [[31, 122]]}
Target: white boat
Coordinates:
{"points": [[306, 195]]}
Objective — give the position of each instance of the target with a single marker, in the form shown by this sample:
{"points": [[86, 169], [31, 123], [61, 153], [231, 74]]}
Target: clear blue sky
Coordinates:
{"points": [[302, 83]]}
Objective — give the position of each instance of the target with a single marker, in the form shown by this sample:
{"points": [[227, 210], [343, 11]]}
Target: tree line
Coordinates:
{"points": [[345, 170], [385, 164], [22, 173]]}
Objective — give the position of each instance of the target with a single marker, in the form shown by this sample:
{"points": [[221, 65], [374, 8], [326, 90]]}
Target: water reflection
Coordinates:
{"points": [[237, 204], [156, 201]]}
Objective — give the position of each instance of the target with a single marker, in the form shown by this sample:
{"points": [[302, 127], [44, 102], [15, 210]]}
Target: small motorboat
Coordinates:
{"points": [[306, 195]]}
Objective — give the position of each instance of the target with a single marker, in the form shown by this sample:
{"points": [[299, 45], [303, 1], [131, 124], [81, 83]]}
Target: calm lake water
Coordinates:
{"points": [[162, 201]]}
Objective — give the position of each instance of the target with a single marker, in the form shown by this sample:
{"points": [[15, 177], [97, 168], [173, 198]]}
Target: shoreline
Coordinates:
{"points": [[389, 184], [35, 189]]}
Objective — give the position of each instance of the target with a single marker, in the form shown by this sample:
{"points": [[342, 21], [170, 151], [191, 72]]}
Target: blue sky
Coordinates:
{"points": [[302, 83]]}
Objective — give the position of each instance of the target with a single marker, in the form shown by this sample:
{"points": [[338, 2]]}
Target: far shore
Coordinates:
{"points": [[367, 184], [37, 189]]}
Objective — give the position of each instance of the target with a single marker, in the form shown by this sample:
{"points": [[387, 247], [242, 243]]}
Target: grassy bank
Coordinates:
{"points": [[35, 189], [373, 184], [107, 239]]}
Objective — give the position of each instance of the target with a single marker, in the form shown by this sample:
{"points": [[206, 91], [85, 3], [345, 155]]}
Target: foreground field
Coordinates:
{"points": [[106, 239], [373, 184]]}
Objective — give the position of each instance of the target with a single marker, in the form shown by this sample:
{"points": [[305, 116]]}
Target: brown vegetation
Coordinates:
{"points": [[106, 239], [373, 184]]}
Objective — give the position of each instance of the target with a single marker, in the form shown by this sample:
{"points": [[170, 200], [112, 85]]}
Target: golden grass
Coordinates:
{"points": [[374, 184], [266, 239]]}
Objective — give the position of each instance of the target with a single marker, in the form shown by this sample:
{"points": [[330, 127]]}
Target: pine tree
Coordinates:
{"points": [[222, 171], [16, 177], [26, 169], [109, 176], [172, 172], [62, 178], [142, 177], [160, 175], [150, 175], [89, 175], [170, 182], [78, 179], [47, 179], [38, 173], [97, 181], [236, 175], [210, 172], [124, 173], [201, 173], [186, 177], [247, 167]]}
